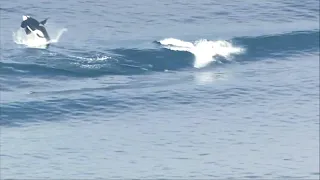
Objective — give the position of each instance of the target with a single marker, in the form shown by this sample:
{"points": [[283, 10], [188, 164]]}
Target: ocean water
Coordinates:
{"points": [[160, 90]]}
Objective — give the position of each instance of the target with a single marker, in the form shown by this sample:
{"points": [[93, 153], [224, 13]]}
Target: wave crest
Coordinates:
{"points": [[203, 50]]}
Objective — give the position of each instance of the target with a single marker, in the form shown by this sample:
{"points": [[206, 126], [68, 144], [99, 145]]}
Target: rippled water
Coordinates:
{"points": [[169, 89]]}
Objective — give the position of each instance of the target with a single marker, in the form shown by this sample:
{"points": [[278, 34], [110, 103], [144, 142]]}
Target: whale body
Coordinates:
{"points": [[31, 25]]}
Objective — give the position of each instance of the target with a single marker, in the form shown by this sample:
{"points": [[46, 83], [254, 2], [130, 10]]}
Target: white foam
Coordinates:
{"points": [[90, 66], [91, 62], [33, 41], [93, 59], [203, 50]]}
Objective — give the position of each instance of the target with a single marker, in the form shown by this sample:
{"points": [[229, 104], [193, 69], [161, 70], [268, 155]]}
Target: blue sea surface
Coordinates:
{"points": [[161, 90]]}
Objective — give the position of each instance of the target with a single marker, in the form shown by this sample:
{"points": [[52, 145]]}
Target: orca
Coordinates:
{"points": [[31, 25]]}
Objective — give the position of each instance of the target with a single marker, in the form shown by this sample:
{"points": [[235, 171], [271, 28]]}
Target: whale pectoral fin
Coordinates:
{"points": [[44, 21], [27, 31], [23, 24]]}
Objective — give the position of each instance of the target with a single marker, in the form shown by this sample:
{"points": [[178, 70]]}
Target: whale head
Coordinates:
{"points": [[25, 17]]}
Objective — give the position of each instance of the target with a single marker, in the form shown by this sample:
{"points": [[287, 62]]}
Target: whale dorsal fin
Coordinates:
{"points": [[44, 21]]}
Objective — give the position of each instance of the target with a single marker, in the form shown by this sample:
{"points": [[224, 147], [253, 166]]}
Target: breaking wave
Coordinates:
{"points": [[204, 50]]}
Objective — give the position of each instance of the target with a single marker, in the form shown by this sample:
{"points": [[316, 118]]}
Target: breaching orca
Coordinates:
{"points": [[31, 25]]}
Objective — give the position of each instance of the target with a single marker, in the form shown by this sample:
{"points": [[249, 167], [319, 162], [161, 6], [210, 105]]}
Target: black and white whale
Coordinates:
{"points": [[31, 25]]}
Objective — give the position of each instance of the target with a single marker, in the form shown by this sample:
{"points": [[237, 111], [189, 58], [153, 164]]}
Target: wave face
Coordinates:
{"points": [[168, 54]]}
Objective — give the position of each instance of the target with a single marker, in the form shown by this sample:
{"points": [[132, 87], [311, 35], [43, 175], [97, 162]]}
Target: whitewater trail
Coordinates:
{"points": [[32, 41], [203, 50]]}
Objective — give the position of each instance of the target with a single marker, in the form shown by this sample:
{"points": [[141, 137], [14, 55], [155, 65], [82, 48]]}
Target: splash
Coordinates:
{"points": [[204, 51], [32, 41]]}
